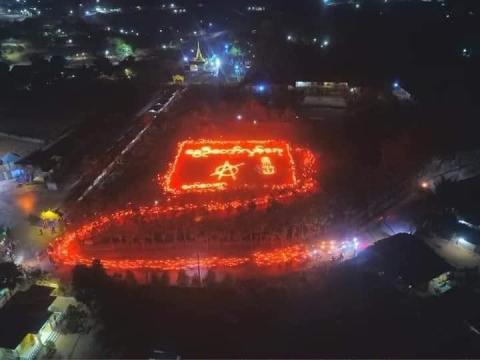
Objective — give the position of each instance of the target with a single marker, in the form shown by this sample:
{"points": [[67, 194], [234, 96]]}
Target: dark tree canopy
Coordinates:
{"points": [[10, 275]]}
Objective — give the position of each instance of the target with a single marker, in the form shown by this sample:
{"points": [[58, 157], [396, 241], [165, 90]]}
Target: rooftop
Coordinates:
{"points": [[404, 256], [24, 313]]}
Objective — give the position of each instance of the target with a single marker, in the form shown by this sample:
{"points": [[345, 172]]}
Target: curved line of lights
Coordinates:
{"points": [[66, 249]]}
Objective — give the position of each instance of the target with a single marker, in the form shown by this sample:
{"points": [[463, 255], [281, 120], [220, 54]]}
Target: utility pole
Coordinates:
{"points": [[198, 268]]}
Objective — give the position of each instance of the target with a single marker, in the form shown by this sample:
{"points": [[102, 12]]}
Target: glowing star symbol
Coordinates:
{"points": [[267, 167], [226, 170]]}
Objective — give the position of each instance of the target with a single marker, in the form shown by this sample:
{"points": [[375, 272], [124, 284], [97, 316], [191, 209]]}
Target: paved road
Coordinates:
{"points": [[19, 207], [117, 160]]}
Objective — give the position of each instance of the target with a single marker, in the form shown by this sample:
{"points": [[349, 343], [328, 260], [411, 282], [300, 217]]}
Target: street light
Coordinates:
{"points": [[424, 185]]}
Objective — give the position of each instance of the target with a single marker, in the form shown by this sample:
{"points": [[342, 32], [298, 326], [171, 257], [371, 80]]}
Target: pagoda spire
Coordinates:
{"points": [[199, 56]]}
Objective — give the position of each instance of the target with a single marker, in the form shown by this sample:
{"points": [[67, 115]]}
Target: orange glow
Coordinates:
{"points": [[26, 202], [294, 255], [296, 178], [239, 164], [206, 151], [205, 187]]}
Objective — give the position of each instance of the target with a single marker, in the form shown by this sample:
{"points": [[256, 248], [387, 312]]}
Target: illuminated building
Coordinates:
{"points": [[29, 319], [198, 61]]}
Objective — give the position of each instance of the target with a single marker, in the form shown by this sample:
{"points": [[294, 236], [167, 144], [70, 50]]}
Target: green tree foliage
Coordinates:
{"points": [[121, 48]]}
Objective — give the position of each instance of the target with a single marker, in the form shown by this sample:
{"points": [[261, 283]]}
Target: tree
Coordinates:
{"points": [[122, 49], [86, 281], [127, 62], [57, 63], [165, 279], [39, 64], [273, 60], [75, 319], [228, 281], [103, 65], [196, 281], [10, 275], [4, 69], [182, 279], [211, 278], [50, 349], [446, 194], [98, 270], [130, 279]]}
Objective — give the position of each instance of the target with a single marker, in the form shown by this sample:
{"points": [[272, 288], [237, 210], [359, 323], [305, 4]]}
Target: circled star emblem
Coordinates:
{"points": [[227, 170]]}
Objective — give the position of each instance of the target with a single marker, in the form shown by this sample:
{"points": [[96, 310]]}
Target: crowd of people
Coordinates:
{"points": [[7, 244], [255, 228]]}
